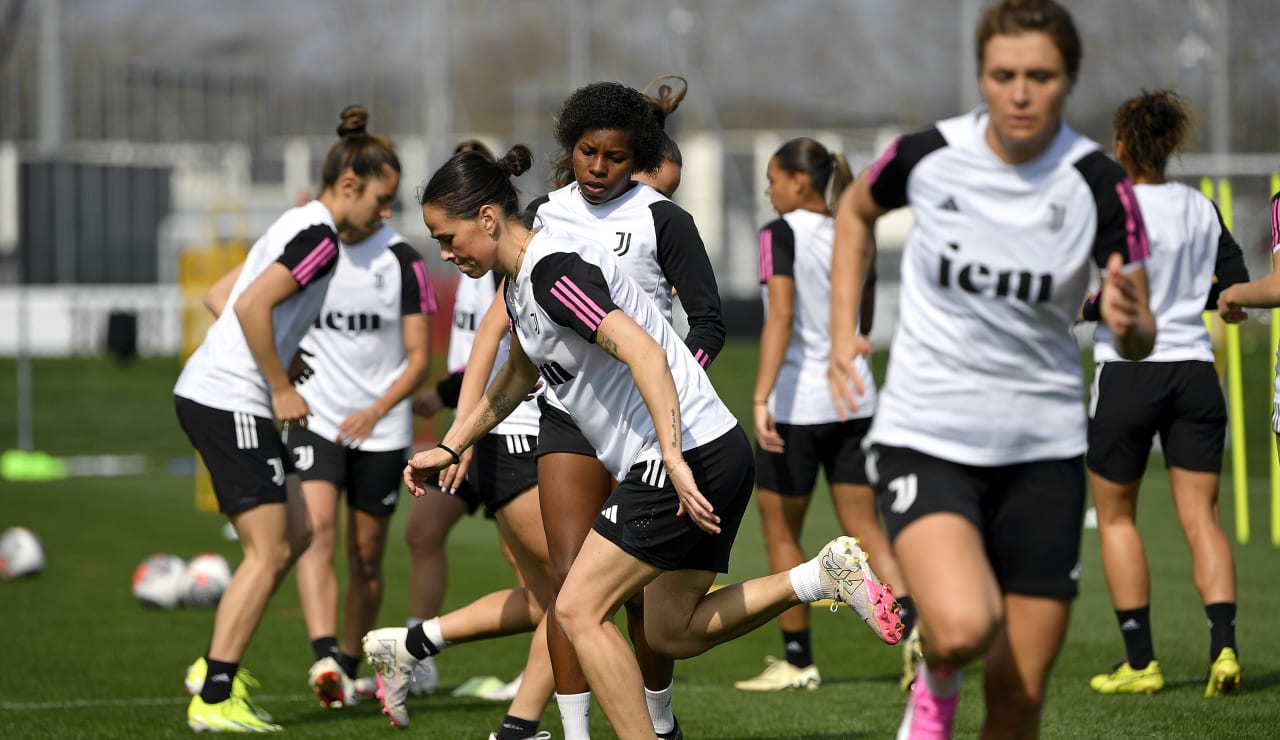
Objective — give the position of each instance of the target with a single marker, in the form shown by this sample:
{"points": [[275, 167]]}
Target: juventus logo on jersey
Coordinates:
{"points": [[304, 457], [1057, 216], [624, 243], [378, 280], [555, 373]]}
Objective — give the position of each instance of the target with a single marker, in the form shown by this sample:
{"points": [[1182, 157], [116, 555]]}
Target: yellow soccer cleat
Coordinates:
{"points": [[240, 685], [1224, 674], [1127, 680], [779, 675], [911, 656], [232, 715]]}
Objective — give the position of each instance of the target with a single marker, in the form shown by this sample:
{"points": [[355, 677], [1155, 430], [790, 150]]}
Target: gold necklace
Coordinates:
{"points": [[520, 257]]}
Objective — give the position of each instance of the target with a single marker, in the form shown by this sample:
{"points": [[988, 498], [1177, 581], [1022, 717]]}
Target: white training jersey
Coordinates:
{"points": [[1193, 257], [357, 341], [222, 373], [798, 246], [470, 303], [565, 288], [983, 368]]}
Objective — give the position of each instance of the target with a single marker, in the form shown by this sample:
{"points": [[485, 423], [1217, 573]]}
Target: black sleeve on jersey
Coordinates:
{"points": [[531, 211], [1092, 308], [573, 292], [308, 256], [416, 294], [1230, 268], [1120, 226], [782, 250], [683, 260], [449, 388], [889, 172]]}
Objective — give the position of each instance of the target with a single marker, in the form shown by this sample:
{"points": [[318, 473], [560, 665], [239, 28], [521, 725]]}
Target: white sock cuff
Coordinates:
{"points": [[806, 581], [664, 692], [431, 628], [412, 622], [943, 684]]}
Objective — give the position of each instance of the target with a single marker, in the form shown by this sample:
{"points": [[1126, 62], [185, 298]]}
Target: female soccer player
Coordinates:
{"points": [[369, 350], [648, 409], [610, 132], [798, 431], [236, 382], [977, 444], [1173, 392]]}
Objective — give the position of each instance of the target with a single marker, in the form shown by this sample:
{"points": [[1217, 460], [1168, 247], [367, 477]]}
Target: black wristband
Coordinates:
{"points": [[456, 460]]}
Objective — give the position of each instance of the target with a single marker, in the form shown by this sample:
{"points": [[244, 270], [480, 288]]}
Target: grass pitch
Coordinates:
{"points": [[83, 659]]}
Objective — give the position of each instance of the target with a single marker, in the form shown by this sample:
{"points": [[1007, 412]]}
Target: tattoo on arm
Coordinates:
{"points": [[607, 344], [675, 430]]}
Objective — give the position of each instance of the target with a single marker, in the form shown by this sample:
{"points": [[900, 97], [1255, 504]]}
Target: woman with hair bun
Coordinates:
{"points": [[1173, 392], [642, 400], [798, 431], [235, 388]]}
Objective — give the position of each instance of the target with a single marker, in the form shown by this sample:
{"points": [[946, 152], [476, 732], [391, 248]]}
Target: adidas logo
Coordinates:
{"points": [[1075, 572], [793, 647], [949, 205], [1130, 625], [389, 499], [220, 678], [610, 513]]}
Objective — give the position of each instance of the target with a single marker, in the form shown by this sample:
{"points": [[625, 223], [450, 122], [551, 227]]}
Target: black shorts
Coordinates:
{"points": [[1030, 514], [503, 467], [640, 514], [835, 447], [370, 479], [1134, 401], [558, 432], [245, 456]]}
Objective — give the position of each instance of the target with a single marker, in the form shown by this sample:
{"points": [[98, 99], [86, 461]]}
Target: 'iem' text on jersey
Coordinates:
{"points": [[357, 341], [565, 288], [983, 368], [222, 373], [798, 245]]}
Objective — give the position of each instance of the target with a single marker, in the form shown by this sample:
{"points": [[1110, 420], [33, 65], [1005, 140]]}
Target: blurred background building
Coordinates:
{"points": [[133, 131]]}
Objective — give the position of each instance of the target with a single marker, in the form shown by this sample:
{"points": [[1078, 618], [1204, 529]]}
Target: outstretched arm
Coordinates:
{"points": [[620, 336]]}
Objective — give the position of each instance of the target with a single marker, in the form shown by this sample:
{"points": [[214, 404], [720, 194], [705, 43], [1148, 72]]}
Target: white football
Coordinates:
{"points": [[206, 577], [21, 553], [158, 580]]}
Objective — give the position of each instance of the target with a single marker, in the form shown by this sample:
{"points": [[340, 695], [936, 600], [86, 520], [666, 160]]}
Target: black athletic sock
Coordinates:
{"points": [[217, 681], [514, 728], [1222, 627], [416, 642], [350, 664], [907, 614], [1135, 628], [797, 647], [325, 647]]}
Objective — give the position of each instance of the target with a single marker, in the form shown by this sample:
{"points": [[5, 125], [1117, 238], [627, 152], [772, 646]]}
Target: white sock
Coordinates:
{"points": [[412, 622], [431, 628], [575, 715], [806, 580], [660, 709], [943, 684]]}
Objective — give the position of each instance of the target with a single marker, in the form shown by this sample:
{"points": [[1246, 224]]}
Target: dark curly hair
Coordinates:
{"points": [[1152, 126], [612, 105]]}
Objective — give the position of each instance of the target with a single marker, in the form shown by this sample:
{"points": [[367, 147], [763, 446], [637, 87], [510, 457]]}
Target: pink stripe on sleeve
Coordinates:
{"points": [[426, 293], [766, 255], [321, 255], [877, 167], [702, 358], [1135, 229], [577, 301]]}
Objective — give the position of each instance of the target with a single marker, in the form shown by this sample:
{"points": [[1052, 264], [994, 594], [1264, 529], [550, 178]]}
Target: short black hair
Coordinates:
{"points": [[612, 105]]}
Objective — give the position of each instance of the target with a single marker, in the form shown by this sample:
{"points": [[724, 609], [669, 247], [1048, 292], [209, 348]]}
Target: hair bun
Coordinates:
{"points": [[668, 98], [517, 160], [355, 121]]}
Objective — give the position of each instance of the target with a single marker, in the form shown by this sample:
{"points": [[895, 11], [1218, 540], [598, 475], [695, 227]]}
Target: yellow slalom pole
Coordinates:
{"points": [[1275, 343], [1235, 396]]}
